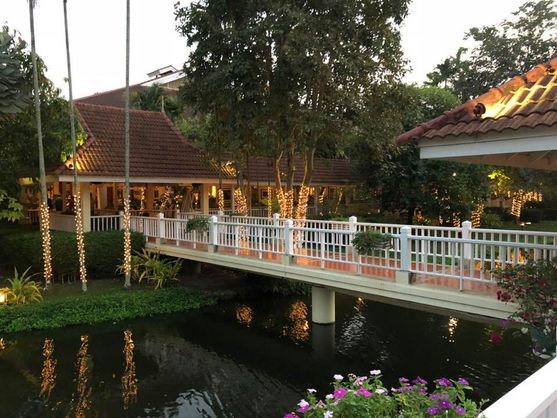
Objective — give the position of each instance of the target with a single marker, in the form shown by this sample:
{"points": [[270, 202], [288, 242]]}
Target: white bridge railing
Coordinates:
{"points": [[464, 254]]}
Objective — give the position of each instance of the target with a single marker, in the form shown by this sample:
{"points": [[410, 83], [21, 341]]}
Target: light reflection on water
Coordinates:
{"points": [[253, 358]]}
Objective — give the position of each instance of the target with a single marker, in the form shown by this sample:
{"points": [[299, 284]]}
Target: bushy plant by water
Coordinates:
{"points": [[366, 242], [22, 289], [149, 266], [367, 397]]}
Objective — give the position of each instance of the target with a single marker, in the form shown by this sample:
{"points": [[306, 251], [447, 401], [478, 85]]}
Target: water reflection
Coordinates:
{"points": [[298, 328], [359, 305], [453, 324], [244, 315], [81, 400], [48, 374], [129, 379]]}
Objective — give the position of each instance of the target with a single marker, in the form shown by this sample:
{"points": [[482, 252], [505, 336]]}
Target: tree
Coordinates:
{"points": [[127, 229], [440, 189], [44, 214], [283, 78], [14, 92], [157, 100], [501, 51], [80, 240]]}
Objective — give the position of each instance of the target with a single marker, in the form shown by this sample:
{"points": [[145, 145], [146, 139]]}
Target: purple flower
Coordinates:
{"points": [[460, 410], [304, 406], [360, 380], [419, 381], [339, 393], [291, 415], [435, 396], [462, 381], [443, 382], [432, 410], [422, 390], [364, 392], [403, 380], [445, 404]]}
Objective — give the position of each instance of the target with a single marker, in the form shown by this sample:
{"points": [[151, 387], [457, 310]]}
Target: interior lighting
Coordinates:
{"points": [[213, 191]]}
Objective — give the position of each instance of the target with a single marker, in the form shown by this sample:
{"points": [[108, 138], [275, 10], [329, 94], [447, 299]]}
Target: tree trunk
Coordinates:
{"points": [[127, 232]]}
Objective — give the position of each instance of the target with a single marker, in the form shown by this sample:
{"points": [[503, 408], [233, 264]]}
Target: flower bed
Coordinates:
{"points": [[366, 396]]}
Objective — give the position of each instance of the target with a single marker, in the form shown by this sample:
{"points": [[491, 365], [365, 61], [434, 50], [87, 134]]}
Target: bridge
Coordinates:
{"points": [[444, 268]]}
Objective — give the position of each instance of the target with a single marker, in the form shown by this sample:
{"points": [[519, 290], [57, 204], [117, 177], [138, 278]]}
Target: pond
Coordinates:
{"points": [[245, 358]]}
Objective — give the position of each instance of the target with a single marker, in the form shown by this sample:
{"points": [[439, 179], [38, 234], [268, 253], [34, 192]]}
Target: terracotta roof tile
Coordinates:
{"points": [[529, 100]]}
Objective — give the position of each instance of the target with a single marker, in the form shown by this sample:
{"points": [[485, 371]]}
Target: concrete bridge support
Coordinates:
{"points": [[322, 305]]}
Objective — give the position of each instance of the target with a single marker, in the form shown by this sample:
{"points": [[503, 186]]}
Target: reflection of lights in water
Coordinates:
{"points": [[129, 379], [360, 303], [299, 327], [453, 324], [83, 392], [2, 344], [244, 315], [48, 374]]}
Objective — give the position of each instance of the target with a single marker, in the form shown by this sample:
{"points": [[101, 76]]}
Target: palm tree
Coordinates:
{"points": [[127, 232], [77, 196], [45, 228]]}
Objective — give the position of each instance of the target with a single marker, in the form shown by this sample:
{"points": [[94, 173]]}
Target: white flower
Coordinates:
{"points": [[328, 414], [303, 403], [329, 396], [338, 377], [380, 391], [312, 390], [524, 330], [375, 372]]}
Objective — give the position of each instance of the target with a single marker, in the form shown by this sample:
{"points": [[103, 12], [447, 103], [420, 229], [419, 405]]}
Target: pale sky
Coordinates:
{"points": [[433, 31]]}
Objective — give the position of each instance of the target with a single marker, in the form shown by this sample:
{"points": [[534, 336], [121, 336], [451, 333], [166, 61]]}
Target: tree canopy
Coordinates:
{"points": [[501, 51]]}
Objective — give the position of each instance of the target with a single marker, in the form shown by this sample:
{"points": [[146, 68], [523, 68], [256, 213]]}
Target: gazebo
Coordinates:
{"points": [[513, 124]]}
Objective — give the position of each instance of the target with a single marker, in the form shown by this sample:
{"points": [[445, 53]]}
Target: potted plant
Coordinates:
{"points": [[366, 242], [533, 287]]}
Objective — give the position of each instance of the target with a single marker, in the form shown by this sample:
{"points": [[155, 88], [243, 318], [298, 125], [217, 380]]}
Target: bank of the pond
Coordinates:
{"points": [[66, 305]]}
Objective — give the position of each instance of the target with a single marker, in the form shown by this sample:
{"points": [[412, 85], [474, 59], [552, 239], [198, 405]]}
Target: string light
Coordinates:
{"points": [[129, 378], [220, 200], [240, 203], [476, 216], [47, 252], [83, 392], [48, 374], [289, 204], [142, 200], [127, 240], [520, 198], [340, 194], [303, 198], [79, 235], [456, 220], [269, 202], [282, 202], [322, 195]]}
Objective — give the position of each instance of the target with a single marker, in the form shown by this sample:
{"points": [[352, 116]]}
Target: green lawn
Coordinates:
{"points": [[544, 226]]}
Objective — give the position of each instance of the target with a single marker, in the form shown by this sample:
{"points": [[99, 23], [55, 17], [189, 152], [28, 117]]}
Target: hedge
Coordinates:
{"points": [[95, 308], [104, 252]]}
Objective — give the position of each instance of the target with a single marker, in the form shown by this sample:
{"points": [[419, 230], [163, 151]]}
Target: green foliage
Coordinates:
{"points": [[104, 251], [14, 89], [366, 242], [491, 220], [198, 224], [154, 99], [22, 289], [501, 51], [150, 266], [96, 308], [10, 208]]}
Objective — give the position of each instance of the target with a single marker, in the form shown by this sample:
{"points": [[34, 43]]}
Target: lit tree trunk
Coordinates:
{"points": [[45, 227], [77, 196], [127, 232]]}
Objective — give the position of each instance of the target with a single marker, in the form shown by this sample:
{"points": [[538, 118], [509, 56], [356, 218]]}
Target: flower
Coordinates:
{"points": [[432, 410], [419, 381], [462, 381], [291, 415], [403, 380], [445, 404], [312, 390], [364, 392], [338, 377], [340, 393], [360, 380], [303, 406], [329, 396], [443, 382], [328, 414], [375, 372], [495, 338], [460, 410], [380, 391]]}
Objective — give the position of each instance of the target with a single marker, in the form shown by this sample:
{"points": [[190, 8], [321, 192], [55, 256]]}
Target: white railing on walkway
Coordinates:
{"points": [[105, 222], [535, 397]]}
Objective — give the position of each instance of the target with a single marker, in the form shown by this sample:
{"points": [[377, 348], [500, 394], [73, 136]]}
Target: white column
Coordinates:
{"points": [[403, 275], [322, 305], [84, 189], [466, 234]]}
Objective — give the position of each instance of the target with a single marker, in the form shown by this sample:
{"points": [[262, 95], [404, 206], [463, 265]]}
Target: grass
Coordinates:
{"points": [[544, 226], [105, 300]]}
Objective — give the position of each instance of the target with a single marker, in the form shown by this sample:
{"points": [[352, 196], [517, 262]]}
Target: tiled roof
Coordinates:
{"points": [[325, 171], [524, 101], [157, 149], [111, 97]]}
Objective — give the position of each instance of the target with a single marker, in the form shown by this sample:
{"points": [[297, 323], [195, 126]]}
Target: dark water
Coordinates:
{"points": [[251, 358]]}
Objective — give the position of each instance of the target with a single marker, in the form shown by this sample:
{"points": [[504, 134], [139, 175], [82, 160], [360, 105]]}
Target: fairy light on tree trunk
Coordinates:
{"points": [[80, 238], [220, 200], [303, 198], [456, 220], [476, 216], [289, 204], [269, 202], [45, 235], [127, 242], [282, 203], [240, 203]]}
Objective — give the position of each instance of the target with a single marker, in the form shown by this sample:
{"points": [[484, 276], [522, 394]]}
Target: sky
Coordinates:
{"points": [[433, 31]]}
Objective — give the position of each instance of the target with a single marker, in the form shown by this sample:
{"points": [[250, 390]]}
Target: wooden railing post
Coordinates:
{"points": [[403, 276]]}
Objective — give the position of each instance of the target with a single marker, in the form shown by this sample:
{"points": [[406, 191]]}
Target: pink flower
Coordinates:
{"points": [[303, 406], [364, 392], [339, 393]]}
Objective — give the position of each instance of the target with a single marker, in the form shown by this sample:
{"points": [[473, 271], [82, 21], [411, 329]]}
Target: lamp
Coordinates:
{"points": [[4, 296]]}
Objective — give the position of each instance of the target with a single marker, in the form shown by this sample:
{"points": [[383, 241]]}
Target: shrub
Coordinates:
{"points": [[366, 242], [366, 396], [533, 215], [104, 251], [150, 266], [198, 224], [491, 220], [22, 289]]}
